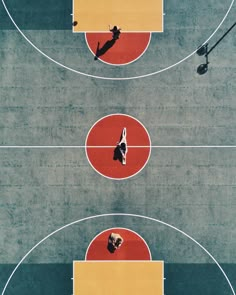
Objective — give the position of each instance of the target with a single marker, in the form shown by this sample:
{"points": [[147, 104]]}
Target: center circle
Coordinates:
{"points": [[104, 152]]}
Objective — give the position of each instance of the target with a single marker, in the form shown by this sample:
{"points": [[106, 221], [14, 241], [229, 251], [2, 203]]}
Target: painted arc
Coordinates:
{"points": [[120, 215], [133, 248], [129, 48]]}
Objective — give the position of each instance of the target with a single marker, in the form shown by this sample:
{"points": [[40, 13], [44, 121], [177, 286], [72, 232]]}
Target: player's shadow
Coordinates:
{"points": [[117, 153], [104, 48]]}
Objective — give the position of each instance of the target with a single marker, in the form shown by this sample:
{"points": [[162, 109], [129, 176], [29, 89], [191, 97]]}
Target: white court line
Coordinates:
{"points": [[111, 146], [123, 31]]}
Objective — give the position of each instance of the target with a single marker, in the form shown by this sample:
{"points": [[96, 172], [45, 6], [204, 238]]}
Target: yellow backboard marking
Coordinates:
{"points": [[130, 15], [118, 277]]}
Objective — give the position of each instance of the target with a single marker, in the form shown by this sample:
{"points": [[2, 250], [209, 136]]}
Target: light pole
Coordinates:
{"points": [[203, 50]]}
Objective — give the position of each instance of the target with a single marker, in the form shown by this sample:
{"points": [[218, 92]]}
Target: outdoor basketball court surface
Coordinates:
{"points": [[104, 137]]}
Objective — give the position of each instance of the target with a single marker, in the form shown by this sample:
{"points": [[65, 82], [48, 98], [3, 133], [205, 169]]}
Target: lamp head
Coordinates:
{"points": [[202, 69], [202, 49]]}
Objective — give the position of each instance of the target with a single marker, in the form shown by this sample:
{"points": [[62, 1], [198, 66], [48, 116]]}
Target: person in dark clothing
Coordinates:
{"points": [[115, 32], [122, 145], [114, 242]]}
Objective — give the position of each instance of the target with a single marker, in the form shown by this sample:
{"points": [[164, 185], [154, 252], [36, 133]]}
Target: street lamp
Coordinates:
{"points": [[203, 50]]}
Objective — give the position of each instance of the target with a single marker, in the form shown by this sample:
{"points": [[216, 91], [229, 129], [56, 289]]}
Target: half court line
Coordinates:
{"points": [[111, 146]]}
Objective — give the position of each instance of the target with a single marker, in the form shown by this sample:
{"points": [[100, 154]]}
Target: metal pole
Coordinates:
{"points": [[220, 39]]}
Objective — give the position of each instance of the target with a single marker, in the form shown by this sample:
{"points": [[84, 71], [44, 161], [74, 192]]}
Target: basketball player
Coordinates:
{"points": [[115, 32], [123, 146], [114, 242]]}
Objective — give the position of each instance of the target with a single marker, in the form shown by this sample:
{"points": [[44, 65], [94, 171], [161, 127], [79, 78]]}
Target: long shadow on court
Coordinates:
{"points": [[104, 48], [117, 153]]}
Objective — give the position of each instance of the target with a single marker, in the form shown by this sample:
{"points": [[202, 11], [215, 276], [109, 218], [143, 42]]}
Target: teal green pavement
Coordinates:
{"points": [[41, 190], [38, 15], [53, 279]]}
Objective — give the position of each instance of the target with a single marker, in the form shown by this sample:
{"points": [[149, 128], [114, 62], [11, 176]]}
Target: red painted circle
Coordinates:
{"points": [[133, 247], [102, 140], [128, 48]]}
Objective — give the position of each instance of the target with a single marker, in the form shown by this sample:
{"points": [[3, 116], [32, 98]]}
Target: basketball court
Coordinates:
{"points": [[102, 135]]}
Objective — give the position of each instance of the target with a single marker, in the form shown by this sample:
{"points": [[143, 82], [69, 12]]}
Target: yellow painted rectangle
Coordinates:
{"points": [[118, 277], [130, 15]]}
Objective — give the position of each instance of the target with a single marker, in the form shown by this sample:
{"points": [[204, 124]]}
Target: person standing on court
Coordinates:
{"points": [[115, 32], [114, 242], [122, 145]]}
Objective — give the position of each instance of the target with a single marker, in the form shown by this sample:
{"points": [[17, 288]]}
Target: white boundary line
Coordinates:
{"points": [[98, 261], [117, 214], [82, 32], [118, 228], [114, 78], [117, 65], [99, 146]]}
